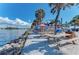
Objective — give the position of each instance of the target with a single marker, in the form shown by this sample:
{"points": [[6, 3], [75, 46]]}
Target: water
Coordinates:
{"points": [[8, 35]]}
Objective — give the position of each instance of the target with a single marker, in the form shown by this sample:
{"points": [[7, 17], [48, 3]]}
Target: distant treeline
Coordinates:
{"points": [[12, 28]]}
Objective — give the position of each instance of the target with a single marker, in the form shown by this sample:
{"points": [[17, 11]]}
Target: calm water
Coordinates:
{"points": [[8, 35]]}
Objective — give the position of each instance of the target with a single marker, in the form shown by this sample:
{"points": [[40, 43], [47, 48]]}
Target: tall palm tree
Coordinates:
{"points": [[57, 7], [39, 15]]}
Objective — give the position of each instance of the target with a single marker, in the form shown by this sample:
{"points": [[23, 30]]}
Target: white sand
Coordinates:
{"points": [[41, 47], [71, 49]]}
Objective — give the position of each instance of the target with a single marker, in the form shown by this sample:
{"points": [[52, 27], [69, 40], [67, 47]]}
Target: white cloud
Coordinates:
{"points": [[17, 21], [5, 20]]}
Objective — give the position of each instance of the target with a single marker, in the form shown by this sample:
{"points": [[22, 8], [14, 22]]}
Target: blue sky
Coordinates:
{"points": [[26, 11]]}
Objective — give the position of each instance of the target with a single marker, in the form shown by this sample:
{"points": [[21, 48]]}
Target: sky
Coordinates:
{"points": [[26, 11]]}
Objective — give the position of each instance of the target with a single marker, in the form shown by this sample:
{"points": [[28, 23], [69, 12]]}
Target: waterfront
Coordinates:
{"points": [[8, 35]]}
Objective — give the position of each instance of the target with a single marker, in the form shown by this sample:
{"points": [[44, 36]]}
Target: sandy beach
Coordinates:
{"points": [[37, 46]]}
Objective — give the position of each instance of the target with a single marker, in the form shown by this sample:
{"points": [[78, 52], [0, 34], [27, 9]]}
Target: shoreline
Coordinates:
{"points": [[21, 45]]}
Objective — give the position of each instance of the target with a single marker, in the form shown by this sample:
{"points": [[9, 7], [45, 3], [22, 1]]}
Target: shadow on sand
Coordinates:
{"points": [[43, 48]]}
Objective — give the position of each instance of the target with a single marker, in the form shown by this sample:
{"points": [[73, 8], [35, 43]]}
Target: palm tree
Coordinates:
{"points": [[52, 22], [75, 21], [57, 7], [39, 14], [33, 24]]}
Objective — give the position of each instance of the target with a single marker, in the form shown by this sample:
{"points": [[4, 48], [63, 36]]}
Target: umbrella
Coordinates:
{"points": [[42, 25]]}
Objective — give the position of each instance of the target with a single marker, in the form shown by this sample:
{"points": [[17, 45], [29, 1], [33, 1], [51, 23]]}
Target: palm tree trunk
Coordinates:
{"points": [[74, 26], [24, 39], [61, 24], [56, 19]]}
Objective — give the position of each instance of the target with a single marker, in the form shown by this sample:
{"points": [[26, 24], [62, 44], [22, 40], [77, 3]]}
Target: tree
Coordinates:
{"points": [[57, 7], [33, 24], [52, 22], [75, 20], [39, 14]]}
